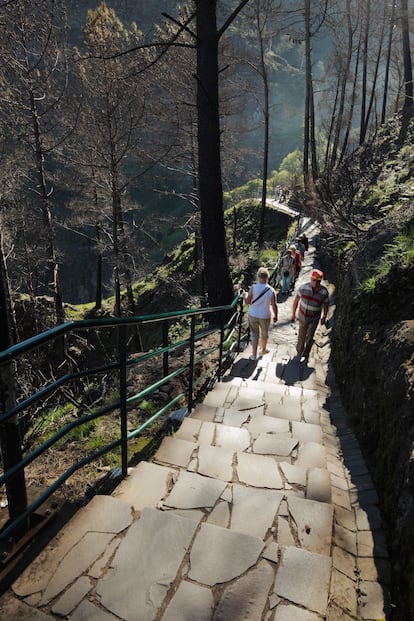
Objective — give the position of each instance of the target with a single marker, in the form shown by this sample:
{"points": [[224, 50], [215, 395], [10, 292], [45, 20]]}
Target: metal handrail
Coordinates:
{"points": [[228, 325], [231, 336]]}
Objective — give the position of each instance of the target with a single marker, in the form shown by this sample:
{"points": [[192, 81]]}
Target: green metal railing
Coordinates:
{"points": [[224, 322], [217, 331]]}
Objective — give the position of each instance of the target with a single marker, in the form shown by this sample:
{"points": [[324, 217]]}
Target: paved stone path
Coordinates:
{"points": [[259, 508]]}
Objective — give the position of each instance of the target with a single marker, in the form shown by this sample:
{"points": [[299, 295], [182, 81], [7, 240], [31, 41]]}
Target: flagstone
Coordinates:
{"points": [[267, 424], [232, 438], [234, 418], [103, 514], [175, 452], [76, 562], [207, 434], [303, 578], [345, 592], [86, 611], [189, 429], [311, 455], [145, 486], [247, 596], [73, 596], [306, 432], [160, 562], [220, 555], [192, 491], [245, 516], [204, 412], [314, 524], [258, 470], [216, 462], [272, 444], [295, 475], [318, 485], [293, 613], [190, 601], [285, 536], [220, 515]]}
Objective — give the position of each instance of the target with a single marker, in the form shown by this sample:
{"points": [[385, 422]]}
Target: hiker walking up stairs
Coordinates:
{"points": [[251, 511]]}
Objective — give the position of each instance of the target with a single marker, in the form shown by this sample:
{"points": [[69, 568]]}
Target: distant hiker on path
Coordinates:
{"points": [[298, 260], [301, 247], [287, 271], [305, 242], [261, 297], [313, 301]]}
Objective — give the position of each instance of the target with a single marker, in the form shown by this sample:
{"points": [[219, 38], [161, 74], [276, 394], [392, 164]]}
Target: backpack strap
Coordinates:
{"points": [[260, 295]]}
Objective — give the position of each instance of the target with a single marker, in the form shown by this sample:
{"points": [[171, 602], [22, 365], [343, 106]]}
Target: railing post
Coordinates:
{"points": [[191, 365], [123, 398], [10, 442], [240, 321], [11, 450], [165, 344], [220, 365]]}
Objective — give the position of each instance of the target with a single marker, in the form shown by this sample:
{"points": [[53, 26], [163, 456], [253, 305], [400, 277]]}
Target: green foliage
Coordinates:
{"points": [[250, 189], [289, 174], [143, 286], [268, 257], [241, 223], [103, 28], [368, 285], [177, 281], [46, 425], [401, 252], [391, 188], [405, 247], [281, 177], [78, 311], [292, 163], [79, 434], [148, 407], [348, 247], [381, 198]]}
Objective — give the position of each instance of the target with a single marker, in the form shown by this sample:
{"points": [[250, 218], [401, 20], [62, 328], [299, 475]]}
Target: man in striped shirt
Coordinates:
{"points": [[313, 301]]}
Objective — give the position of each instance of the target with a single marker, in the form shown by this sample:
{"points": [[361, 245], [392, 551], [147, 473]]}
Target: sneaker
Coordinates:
{"points": [[251, 357], [265, 351]]}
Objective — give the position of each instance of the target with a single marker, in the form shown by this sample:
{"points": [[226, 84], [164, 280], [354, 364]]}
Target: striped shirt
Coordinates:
{"points": [[311, 302]]}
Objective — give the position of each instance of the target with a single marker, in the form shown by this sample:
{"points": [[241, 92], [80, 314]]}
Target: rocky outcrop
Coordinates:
{"points": [[373, 357]]}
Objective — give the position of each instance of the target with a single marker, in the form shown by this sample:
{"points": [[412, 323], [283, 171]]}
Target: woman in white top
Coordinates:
{"points": [[261, 297]]}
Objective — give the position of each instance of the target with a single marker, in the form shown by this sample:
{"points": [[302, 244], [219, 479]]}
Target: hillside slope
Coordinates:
{"points": [[373, 332]]}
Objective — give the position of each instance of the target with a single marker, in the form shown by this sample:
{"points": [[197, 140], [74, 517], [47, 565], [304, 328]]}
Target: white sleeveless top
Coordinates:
{"points": [[261, 308]]}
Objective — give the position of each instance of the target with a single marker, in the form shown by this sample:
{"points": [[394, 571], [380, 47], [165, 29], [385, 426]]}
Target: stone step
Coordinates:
{"points": [[247, 513], [222, 451], [239, 497], [174, 559], [279, 400]]}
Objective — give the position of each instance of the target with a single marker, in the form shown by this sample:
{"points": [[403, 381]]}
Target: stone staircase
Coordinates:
{"points": [[247, 513]]}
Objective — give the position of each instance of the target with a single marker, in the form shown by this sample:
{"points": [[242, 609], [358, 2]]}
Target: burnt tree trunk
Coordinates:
{"points": [[219, 285]]}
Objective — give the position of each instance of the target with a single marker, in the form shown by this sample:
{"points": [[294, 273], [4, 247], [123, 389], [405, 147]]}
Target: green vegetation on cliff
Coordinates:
{"points": [[371, 260]]}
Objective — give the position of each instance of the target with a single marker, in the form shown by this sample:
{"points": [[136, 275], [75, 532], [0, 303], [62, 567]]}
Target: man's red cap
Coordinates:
{"points": [[317, 274]]}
